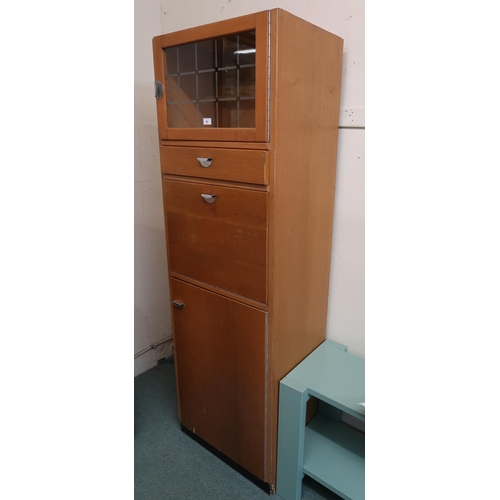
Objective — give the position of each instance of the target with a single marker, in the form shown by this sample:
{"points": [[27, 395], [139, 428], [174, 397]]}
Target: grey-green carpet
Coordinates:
{"points": [[171, 465]]}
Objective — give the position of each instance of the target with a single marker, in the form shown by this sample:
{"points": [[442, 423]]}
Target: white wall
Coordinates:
{"points": [[346, 298], [152, 309], [345, 18]]}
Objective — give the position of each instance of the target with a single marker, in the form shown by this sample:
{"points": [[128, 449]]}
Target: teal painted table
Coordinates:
{"points": [[326, 449]]}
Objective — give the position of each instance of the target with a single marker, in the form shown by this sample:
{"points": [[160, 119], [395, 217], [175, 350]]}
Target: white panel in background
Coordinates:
{"points": [[150, 358], [346, 300], [352, 118], [144, 362], [152, 322], [344, 18], [147, 150]]}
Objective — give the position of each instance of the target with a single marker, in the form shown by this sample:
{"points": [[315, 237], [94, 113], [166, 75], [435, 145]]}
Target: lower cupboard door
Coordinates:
{"points": [[220, 353]]}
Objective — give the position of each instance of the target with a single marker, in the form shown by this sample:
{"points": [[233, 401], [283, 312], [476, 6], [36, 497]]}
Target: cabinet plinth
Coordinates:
{"points": [[248, 113]]}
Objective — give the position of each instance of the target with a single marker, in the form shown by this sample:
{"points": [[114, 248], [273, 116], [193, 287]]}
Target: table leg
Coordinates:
{"points": [[291, 428]]}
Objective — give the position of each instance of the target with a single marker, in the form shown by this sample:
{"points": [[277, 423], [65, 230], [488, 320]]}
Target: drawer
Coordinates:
{"points": [[223, 243], [239, 165]]}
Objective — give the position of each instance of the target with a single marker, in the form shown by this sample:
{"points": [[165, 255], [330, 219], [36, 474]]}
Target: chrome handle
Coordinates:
{"points": [[209, 198], [205, 162], [178, 304], [158, 89]]}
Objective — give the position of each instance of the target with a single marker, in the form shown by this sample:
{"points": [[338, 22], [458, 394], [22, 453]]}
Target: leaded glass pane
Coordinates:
{"points": [[211, 83]]}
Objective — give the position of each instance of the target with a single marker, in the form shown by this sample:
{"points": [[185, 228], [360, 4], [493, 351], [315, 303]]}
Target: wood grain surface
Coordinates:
{"points": [[220, 353]]}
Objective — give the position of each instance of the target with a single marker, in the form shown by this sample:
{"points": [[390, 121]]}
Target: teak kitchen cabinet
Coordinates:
{"points": [[248, 113]]}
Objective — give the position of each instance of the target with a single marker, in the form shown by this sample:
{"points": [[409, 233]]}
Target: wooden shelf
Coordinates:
{"points": [[334, 455]]}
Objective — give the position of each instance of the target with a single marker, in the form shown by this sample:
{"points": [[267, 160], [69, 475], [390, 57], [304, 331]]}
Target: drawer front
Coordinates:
{"points": [[239, 165], [222, 242]]}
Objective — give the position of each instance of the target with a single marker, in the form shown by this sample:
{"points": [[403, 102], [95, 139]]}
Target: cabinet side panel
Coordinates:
{"points": [[305, 115]]}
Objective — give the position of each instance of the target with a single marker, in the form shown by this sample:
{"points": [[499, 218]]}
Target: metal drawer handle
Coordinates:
{"points": [[209, 198], [158, 89], [178, 304], [205, 162]]}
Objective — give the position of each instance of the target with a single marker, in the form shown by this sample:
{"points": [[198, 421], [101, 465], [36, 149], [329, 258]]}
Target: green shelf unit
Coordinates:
{"points": [[327, 450], [334, 455]]}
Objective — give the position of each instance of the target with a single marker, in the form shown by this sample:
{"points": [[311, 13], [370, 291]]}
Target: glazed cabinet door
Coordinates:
{"points": [[211, 81], [220, 354]]}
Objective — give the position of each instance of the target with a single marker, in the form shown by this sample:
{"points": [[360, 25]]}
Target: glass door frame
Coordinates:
{"points": [[258, 22]]}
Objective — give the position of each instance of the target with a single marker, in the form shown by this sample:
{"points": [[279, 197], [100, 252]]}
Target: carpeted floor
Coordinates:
{"points": [[171, 465]]}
